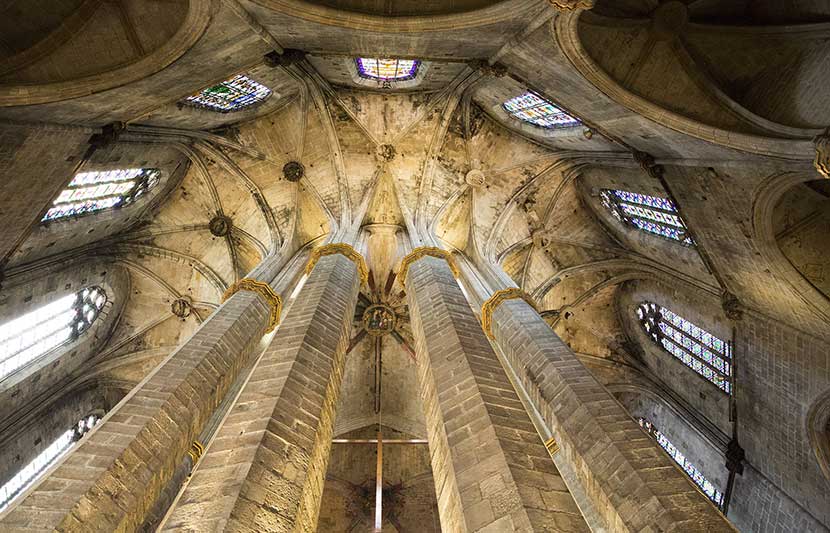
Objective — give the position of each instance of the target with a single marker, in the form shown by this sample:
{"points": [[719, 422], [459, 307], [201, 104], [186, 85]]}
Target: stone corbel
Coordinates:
{"points": [[495, 301], [343, 249], [732, 307], [572, 5], [421, 252], [822, 161], [264, 290]]}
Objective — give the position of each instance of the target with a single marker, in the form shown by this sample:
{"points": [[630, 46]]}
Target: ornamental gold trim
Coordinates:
{"points": [[196, 450], [822, 160], [495, 301], [263, 289], [552, 446], [343, 249], [420, 253], [572, 5]]}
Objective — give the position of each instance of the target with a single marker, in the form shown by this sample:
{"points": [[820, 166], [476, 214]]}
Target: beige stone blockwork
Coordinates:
{"points": [[631, 480], [112, 479], [492, 471], [266, 467]]}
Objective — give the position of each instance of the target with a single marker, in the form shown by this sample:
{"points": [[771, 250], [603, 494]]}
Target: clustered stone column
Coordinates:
{"points": [[492, 472], [634, 484], [110, 482], [265, 469]]}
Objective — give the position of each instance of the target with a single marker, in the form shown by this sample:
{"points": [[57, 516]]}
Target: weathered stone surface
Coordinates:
{"points": [[265, 469], [631, 481], [491, 469]]}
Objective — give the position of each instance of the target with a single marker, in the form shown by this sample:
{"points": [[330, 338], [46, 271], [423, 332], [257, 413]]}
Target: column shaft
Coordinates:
{"points": [[632, 482], [492, 471], [266, 467]]}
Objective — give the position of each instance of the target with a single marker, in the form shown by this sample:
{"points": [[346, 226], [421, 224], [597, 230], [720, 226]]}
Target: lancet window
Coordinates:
{"points": [[648, 213], [387, 70], [698, 349], [234, 94], [32, 472], [705, 485], [32, 335], [93, 191], [532, 108]]}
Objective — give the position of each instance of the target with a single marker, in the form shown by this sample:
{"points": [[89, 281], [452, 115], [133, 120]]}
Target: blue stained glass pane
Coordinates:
{"points": [[535, 110], [649, 213], [234, 94], [94, 191]]}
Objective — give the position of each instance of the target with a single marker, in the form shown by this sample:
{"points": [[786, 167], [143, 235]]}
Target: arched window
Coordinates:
{"points": [[701, 351], [93, 191], [705, 485], [24, 339], [234, 94], [31, 472], [387, 70], [532, 108], [647, 213]]}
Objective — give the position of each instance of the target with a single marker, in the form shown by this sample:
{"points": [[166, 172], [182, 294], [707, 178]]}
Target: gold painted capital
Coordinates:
{"points": [[195, 452], [552, 446], [822, 161], [420, 253], [264, 290], [495, 301], [343, 249], [572, 5]]}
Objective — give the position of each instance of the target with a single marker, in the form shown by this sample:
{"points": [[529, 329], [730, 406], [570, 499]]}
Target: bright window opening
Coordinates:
{"points": [[533, 109], [647, 213], [234, 94], [93, 191], [387, 70]]}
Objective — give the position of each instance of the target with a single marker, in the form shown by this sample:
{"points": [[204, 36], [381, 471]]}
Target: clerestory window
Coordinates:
{"points": [[32, 335], [231, 95], [386, 71], [533, 109], [698, 349], [89, 192], [651, 214]]}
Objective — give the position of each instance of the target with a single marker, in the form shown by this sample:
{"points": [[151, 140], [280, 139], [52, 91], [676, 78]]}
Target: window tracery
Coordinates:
{"points": [[651, 214], [386, 71], [94, 191], [231, 95], [705, 485], [30, 336], [698, 349], [45, 459], [533, 109]]}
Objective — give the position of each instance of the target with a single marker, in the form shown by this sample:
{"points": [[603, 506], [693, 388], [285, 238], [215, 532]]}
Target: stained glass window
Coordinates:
{"points": [[94, 191], [27, 338], [387, 70], [647, 213], [234, 94], [31, 472], [698, 349], [532, 108], [705, 485]]}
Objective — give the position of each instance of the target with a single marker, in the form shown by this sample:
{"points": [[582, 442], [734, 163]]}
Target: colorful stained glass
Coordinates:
{"points": [[649, 213], [705, 485], [45, 459], [94, 191], [698, 349], [387, 70], [29, 337], [534, 109], [234, 94]]}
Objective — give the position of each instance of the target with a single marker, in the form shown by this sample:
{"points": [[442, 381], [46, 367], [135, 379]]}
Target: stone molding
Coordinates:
{"points": [[822, 161], [420, 253], [495, 301], [343, 249], [263, 289]]}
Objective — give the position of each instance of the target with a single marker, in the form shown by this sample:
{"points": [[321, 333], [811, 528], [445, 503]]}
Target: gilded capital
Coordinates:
{"points": [[424, 251], [572, 5], [195, 452], [264, 290], [343, 249], [822, 161], [552, 446], [495, 301]]}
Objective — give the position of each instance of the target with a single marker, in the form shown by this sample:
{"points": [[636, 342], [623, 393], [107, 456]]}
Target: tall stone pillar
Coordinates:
{"points": [[265, 469], [112, 479], [630, 479], [492, 471]]}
